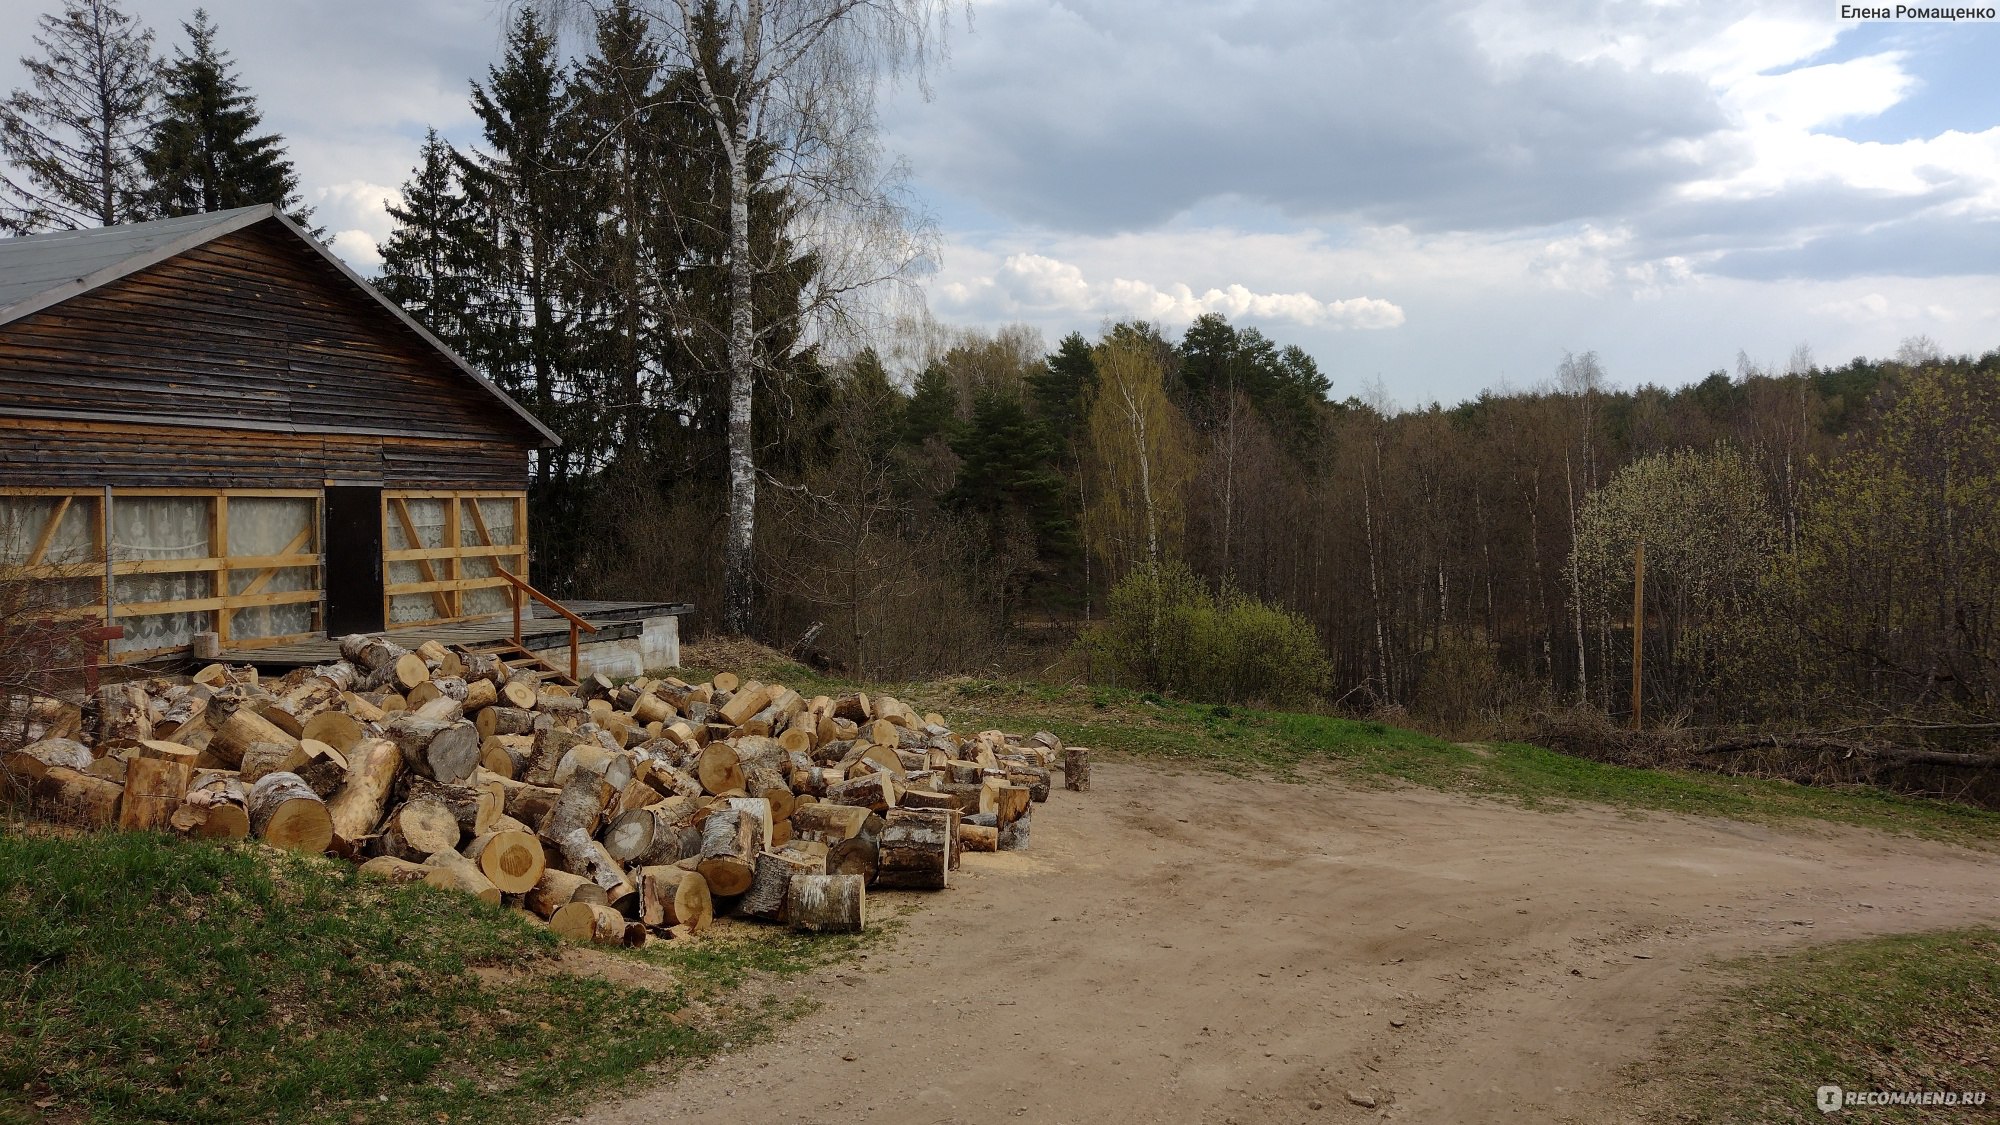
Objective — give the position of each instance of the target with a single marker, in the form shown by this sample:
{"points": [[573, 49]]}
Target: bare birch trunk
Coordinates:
{"points": [[1576, 595], [737, 560]]}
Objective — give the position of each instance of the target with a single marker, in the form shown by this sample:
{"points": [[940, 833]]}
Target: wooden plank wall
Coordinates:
{"points": [[38, 453], [219, 604], [245, 362]]}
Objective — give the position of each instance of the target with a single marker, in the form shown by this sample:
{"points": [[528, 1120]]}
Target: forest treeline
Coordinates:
{"points": [[1194, 510], [1821, 540]]}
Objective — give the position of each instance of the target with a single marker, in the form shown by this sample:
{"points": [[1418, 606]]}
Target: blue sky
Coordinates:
{"points": [[1441, 194]]}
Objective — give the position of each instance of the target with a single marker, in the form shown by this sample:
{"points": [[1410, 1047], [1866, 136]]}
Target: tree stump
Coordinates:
{"points": [[1014, 836], [243, 729], [371, 772], [557, 888], [67, 796], [418, 829], [441, 751], [730, 841], [674, 896], [876, 792], [587, 857], [512, 860], [154, 791], [337, 729], [719, 769], [497, 720], [454, 872]]}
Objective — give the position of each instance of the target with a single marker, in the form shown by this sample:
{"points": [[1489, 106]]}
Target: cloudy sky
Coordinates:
{"points": [[1442, 194]]}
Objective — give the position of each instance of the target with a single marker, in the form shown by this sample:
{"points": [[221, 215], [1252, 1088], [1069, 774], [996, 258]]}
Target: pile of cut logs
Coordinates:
{"points": [[612, 811]]}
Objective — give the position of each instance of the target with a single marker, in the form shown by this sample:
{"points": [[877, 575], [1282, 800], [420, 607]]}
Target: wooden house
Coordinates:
{"points": [[211, 424]]}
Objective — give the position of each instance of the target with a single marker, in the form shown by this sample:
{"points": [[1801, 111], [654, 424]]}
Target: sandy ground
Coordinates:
{"points": [[1200, 948]]}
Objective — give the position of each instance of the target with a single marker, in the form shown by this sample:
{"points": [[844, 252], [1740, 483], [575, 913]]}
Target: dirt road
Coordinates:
{"points": [[1207, 949]]}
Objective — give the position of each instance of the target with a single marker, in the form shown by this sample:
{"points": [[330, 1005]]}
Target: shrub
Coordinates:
{"points": [[1460, 681], [1166, 631]]}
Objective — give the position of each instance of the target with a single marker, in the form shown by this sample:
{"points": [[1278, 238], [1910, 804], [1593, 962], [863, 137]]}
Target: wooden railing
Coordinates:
{"points": [[517, 586]]}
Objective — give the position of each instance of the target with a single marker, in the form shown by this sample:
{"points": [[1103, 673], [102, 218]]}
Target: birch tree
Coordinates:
{"points": [[1141, 453], [788, 88]]}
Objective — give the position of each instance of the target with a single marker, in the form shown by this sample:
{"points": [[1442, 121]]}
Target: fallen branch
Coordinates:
{"points": [[1848, 748]]}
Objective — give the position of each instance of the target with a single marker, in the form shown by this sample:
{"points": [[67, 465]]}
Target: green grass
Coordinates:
{"points": [[1894, 1014], [1291, 746], [145, 979]]}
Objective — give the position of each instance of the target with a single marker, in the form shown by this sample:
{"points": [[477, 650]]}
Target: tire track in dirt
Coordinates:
{"points": [[1202, 948]]}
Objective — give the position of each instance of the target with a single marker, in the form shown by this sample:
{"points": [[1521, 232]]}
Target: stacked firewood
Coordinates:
{"points": [[612, 811]]}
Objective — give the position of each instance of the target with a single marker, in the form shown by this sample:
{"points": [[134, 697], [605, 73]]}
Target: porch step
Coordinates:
{"points": [[518, 657]]}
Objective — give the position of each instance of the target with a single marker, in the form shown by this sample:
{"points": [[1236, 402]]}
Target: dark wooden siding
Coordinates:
{"points": [[248, 361], [35, 453]]}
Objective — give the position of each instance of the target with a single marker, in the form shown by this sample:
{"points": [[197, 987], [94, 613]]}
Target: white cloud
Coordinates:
{"points": [[356, 214], [1042, 282], [1179, 304], [357, 249], [1029, 283]]}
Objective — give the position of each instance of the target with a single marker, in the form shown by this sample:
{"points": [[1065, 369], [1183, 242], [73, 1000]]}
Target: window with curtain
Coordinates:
{"points": [[260, 526], [427, 517], [159, 529]]}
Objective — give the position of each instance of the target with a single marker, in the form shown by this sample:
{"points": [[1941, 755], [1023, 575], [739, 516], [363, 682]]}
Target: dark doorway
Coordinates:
{"points": [[353, 560]]}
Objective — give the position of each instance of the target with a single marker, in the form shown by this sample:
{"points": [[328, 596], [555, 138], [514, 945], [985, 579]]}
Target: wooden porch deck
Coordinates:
{"points": [[540, 630]]}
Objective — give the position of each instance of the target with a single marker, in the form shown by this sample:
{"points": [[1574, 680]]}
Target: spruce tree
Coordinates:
{"points": [[624, 124], [430, 264], [204, 152], [73, 134], [1008, 481], [1062, 387], [521, 184], [933, 409]]}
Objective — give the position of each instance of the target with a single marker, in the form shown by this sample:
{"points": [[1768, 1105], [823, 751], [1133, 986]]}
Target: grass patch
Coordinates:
{"points": [[1909, 1013], [1281, 744], [148, 979]]}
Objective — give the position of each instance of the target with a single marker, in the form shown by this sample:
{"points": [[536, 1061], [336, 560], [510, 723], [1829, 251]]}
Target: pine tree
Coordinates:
{"points": [[204, 152], [73, 135], [1007, 479]]}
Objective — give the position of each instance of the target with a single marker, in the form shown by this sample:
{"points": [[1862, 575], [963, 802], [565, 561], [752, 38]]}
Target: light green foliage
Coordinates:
{"points": [[1890, 596], [1167, 631], [1710, 536], [1142, 454]]}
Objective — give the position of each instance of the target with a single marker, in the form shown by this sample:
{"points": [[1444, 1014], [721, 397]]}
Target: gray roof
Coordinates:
{"points": [[62, 264], [40, 270]]}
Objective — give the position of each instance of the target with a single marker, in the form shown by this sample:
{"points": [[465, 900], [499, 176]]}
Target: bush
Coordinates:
{"points": [[1168, 632], [1460, 681]]}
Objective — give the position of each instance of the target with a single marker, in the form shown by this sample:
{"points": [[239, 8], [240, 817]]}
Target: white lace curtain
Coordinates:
{"points": [[267, 525], [151, 528], [427, 516]]}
